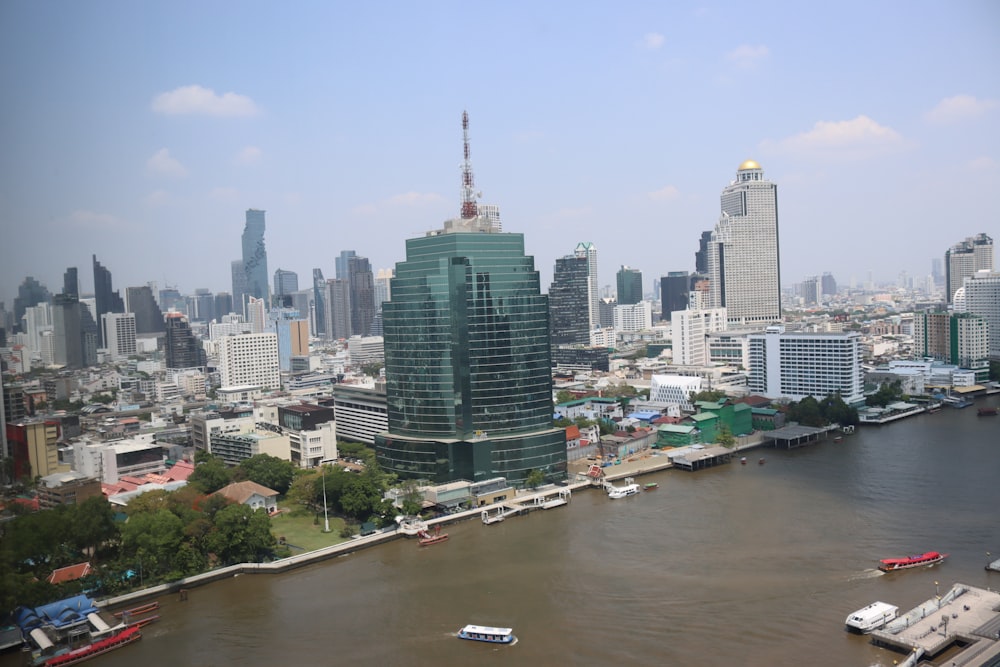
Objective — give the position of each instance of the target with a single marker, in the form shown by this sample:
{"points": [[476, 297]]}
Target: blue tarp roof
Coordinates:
{"points": [[58, 614]]}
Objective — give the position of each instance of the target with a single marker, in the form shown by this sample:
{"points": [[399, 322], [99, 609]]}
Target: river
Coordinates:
{"points": [[735, 565]]}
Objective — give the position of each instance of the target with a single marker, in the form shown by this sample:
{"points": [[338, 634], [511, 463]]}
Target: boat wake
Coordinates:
{"points": [[870, 573]]}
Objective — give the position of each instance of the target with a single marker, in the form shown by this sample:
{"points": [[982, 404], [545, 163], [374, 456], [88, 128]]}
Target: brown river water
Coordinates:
{"points": [[735, 565]]}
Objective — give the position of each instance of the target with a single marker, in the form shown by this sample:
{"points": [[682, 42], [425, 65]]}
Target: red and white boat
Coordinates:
{"points": [[893, 564], [427, 539]]}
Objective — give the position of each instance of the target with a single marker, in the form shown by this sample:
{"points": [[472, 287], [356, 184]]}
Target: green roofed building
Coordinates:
{"points": [[468, 361]]}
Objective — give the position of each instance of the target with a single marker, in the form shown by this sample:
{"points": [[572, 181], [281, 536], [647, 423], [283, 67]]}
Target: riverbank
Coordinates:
{"points": [[642, 463]]}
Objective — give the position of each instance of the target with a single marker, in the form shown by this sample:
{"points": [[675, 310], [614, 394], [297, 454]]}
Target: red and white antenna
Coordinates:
{"points": [[469, 194]]}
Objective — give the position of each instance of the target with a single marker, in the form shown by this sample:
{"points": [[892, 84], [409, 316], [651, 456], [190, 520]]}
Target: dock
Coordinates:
{"points": [[994, 566], [964, 621]]}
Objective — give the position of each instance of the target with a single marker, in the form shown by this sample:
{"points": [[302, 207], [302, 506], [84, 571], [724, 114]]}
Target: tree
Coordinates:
{"points": [[725, 437], [242, 535], [152, 539], [267, 470], [887, 393], [709, 396], [211, 475], [807, 412], [93, 524], [534, 479], [563, 396]]}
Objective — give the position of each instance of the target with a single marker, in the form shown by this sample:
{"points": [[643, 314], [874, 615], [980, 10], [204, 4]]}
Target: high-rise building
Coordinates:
{"points": [[107, 299], [956, 338], [362, 282], [256, 310], [223, 304], [183, 347], [468, 361], [118, 330], [29, 293], [689, 330], [809, 290], [674, 290], [249, 360], [285, 282], [629, 286], [293, 335], [743, 264], [239, 286], [963, 259], [319, 303], [148, 317], [340, 264], [701, 255], [201, 307], [255, 255], [981, 296], [633, 317], [798, 364], [828, 285], [589, 251], [569, 301], [491, 214], [338, 309]]}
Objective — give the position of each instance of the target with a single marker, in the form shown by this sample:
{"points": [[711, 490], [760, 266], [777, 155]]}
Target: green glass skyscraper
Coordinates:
{"points": [[467, 360]]}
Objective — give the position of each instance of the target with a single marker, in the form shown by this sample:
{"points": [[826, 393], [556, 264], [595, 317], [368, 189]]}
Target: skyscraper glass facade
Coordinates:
{"points": [[468, 363], [255, 255]]}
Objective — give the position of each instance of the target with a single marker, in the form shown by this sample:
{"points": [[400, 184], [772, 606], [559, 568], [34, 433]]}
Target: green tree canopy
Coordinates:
{"points": [[534, 479], [210, 475], [267, 470], [241, 535]]}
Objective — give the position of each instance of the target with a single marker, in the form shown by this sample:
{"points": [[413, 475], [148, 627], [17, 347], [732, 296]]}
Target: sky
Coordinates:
{"points": [[142, 131]]}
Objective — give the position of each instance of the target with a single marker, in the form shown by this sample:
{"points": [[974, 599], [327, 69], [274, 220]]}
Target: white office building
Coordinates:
{"points": [[119, 334], [981, 293], [964, 259], [796, 365], [743, 264], [634, 317], [674, 389], [249, 359], [588, 250], [689, 330]]}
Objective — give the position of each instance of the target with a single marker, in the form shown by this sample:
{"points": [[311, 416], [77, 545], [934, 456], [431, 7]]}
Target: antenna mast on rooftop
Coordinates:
{"points": [[469, 194]]}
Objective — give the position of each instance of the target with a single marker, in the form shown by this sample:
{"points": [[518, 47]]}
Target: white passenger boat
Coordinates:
{"points": [[482, 633], [871, 617], [630, 489]]}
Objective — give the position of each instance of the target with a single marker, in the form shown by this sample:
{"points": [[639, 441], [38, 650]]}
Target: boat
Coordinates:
{"points": [[760, 462], [962, 403], [135, 611], [871, 617], [893, 564], [987, 412], [482, 633], [100, 647], [630, 489], [838, 438], [743, 460], [427, 539], [652, 486]]}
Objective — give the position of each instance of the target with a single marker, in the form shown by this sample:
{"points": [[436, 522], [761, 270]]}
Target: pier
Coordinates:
{"points": [[965, 621]]}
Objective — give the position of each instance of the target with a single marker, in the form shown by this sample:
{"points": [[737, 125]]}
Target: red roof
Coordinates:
{"points": [[572, 432], [69, 573], [181, 471]]}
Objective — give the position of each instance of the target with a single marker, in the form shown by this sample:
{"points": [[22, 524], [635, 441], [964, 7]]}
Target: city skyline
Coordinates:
{"points": [[614, 127]]}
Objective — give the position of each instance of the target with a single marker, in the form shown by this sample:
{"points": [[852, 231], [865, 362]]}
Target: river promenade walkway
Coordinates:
{"points": [[641, 463]]}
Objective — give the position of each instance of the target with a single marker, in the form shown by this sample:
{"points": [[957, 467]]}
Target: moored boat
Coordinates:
{"points": [[893, 564], [871, 617], [427, 539], [483, 633], [100, 647], [652, 486], [987, 412], [630, 489]]}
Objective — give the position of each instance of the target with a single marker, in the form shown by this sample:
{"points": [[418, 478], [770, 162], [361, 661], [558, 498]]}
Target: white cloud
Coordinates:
{"points": [[747, 56], [224, 194], [94, 221], [984, 163], [163, 164], [668, 193], [204, 101], [157, 198], [860, 137], [653, 40], [959, 108], [365, 209], [249, 155]]}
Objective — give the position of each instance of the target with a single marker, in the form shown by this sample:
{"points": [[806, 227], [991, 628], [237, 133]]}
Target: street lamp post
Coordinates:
{"points": [[326, 518]]}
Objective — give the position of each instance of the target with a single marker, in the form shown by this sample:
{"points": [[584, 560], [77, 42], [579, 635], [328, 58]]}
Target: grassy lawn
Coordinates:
{"points": [[302, 531]]}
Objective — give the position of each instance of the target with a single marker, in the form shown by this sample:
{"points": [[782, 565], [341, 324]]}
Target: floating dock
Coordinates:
{"points": [[964, 621]]}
